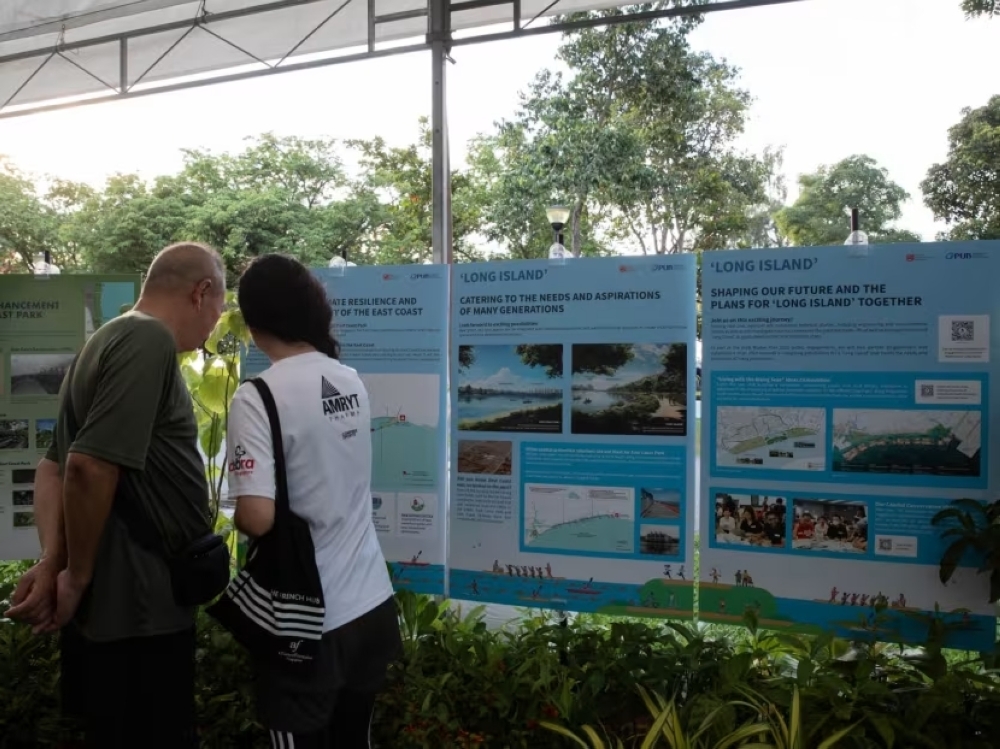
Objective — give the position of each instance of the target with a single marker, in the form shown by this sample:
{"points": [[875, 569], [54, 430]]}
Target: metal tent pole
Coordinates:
{"points": [[439, 36]]}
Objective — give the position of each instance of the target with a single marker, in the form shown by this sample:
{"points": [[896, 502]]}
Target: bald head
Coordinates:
{"points": [[180, 267], [185, 289]]}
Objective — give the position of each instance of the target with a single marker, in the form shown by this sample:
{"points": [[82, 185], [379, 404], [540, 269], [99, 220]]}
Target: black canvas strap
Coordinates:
{"points": [[141, 527], [280, 474]]}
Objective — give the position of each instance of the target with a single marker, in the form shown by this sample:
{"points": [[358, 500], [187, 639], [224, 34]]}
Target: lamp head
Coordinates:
{"points": [[557, 215]]}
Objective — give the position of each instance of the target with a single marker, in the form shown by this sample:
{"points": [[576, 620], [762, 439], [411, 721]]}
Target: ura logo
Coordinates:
{"points": [[240, 462]]}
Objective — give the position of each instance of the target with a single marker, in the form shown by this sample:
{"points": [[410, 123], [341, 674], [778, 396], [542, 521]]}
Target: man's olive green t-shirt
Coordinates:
{"points": [[132, 409]]}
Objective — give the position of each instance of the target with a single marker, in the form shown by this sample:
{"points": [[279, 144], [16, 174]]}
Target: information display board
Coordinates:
{"points": [[391, 322], [44, 321], [571, 437], [848, 398]]}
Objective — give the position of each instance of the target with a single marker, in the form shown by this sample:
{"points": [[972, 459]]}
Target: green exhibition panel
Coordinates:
{"points": [[44, 321]]}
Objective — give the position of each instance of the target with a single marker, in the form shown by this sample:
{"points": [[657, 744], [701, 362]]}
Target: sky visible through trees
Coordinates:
{"points": [[639, 140]]}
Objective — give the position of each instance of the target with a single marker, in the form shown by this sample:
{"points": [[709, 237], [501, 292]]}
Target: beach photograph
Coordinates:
{"points": [[510, 388], [38, 374], [45, 430], [14, 434], [629, 389], [660, 504], [485, 456]]}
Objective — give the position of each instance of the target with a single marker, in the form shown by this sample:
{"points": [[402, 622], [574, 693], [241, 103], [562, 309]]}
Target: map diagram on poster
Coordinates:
{"points": [[404, 423], [775, 438]]}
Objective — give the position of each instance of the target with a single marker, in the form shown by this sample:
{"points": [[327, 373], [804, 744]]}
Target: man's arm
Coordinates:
{"points": [[88, 493], [115, 433], [49, 513]]}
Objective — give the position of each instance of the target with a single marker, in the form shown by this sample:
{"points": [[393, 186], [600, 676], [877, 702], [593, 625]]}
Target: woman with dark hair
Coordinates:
{"points": [[325, 425]]}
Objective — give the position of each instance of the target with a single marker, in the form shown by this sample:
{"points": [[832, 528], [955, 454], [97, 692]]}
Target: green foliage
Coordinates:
{"points": [[972, 529], [212, 377], [964, 190], [978, 8], [28, 221], [461, 685], [821, 214]]}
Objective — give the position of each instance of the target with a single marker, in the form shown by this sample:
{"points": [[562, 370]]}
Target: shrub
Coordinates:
{"points": [[462, 685]]}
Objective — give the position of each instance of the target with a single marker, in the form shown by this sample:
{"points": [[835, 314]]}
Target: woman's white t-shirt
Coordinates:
{"points": [[325, 425]]}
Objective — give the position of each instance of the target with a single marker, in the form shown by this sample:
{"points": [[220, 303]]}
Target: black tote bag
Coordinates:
{"points": [[274, 607]]}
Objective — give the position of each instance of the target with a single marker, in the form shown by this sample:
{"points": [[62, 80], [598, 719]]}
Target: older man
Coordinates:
{"points": [[126, 433]]}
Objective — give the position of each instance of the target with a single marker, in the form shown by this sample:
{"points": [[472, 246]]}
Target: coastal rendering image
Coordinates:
{"points": [[929, 442], [579, 518], [787, 439], [629, 389], [510, 388]]}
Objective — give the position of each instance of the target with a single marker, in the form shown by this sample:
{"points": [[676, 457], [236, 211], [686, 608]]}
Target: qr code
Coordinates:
{"points": [[926, 391], [963, 330], [885, 544]]}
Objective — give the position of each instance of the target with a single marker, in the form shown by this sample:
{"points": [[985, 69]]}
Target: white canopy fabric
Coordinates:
{"points": [[56, 49]]}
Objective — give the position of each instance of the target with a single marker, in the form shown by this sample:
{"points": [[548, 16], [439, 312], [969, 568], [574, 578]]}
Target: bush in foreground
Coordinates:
{"points": [[462, 685]]}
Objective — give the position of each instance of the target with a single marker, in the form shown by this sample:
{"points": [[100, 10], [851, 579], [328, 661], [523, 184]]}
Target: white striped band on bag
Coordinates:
{"points": [[304, 621]]}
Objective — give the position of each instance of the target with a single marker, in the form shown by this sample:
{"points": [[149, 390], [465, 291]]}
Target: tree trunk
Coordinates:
{"points": [[574, 222]]}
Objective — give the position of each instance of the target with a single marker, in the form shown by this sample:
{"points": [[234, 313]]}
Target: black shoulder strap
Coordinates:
{"points": [[140, 525], [280, 475]]}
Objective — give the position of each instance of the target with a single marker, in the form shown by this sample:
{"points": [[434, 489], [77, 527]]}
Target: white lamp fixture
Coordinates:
{"points": [[41, 266], [557, 215]]}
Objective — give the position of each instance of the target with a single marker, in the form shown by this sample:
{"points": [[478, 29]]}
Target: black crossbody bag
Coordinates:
{"points": [[274, 607], [200, 571]]}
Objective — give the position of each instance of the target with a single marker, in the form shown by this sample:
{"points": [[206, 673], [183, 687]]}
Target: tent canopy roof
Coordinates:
{"points": [[83, 47], [52, 50]]}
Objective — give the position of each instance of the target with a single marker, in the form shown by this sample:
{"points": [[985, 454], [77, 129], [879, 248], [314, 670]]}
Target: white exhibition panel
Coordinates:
{"points": [[36, 27]]}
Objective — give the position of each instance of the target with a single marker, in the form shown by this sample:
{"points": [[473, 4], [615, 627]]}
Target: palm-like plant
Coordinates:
{"points": [[974, 528]]}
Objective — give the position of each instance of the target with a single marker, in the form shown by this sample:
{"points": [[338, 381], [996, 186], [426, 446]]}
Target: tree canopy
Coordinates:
{"points": [[819, 216], [964, 190], [637, 135]]}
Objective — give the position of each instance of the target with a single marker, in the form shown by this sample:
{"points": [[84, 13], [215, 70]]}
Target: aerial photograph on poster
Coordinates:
{"points": [[629, 389], [922, 441], [485, 456], [784, 439], [510, 388]]}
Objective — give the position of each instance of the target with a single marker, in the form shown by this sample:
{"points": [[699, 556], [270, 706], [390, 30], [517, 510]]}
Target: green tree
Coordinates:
{"points": [[673, 380], [395, 190], [29, 224], [978, 8], [466, 357], [820, 215], [119, 228], [597, 359], [547, 356], [964, 190], [636, 141], [689, 189]]}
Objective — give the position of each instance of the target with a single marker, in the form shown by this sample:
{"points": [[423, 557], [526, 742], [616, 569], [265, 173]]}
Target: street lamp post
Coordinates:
{"points": [[557, 215]]}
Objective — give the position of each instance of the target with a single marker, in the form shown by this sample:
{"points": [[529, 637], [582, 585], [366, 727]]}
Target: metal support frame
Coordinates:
{"points": [[439, 37], [121, 89]]}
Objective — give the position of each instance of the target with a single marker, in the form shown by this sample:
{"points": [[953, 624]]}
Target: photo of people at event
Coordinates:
{"points": [[750, 520], [830, 525]]}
